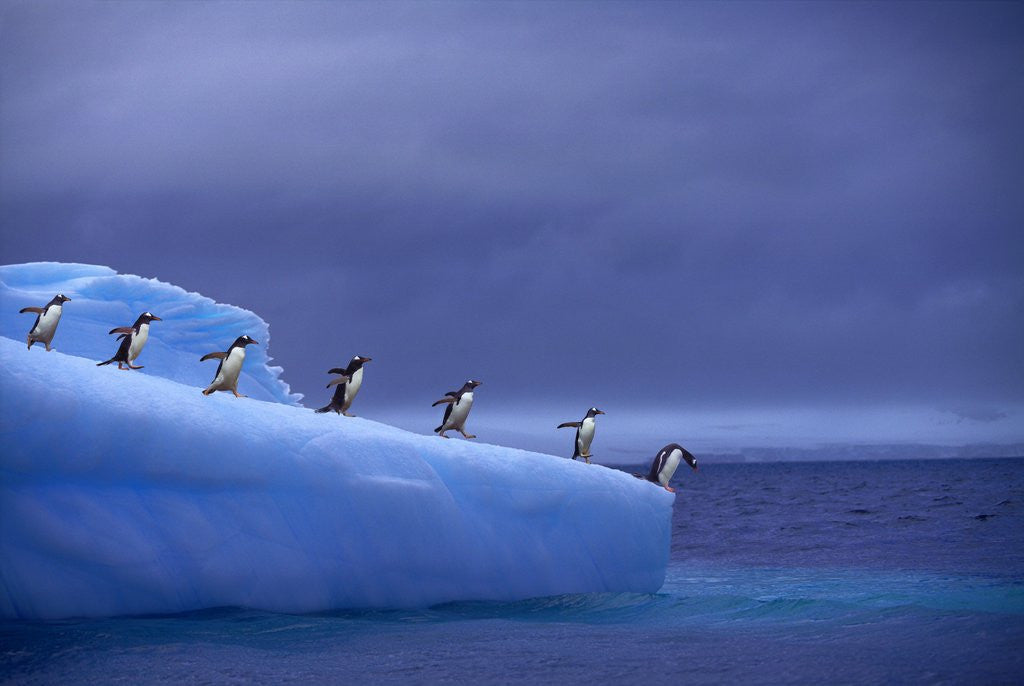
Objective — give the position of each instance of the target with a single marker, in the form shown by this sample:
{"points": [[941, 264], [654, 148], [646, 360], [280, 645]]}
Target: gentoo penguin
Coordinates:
{"points": [[665, 463], [132, 338], [226, 378], [347, 386], [460, 402], [46, 323], [584, 434]]}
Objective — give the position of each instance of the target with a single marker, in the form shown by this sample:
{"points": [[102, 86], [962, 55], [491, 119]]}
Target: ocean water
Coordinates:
{"points": [[843, 572]]}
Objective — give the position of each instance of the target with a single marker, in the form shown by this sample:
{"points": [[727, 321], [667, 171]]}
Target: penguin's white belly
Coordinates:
{"points": [[138, 341], [586, 436], [665, 475], [228, 377], [460, 410], [47, 323], [352, 387]]}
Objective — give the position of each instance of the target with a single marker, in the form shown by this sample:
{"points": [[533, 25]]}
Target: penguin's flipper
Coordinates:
{"points": [[124, 335], [568, 425], [120, 329], [446, 399], [36, 310], [337, 370], [213, 356], [340, 379]]}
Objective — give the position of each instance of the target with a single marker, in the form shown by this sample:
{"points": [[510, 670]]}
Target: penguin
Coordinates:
{"points": [[584, 434], [226, 378], [460, 402], [46, 321], [665, 463], [132, 338], [348, 385]]}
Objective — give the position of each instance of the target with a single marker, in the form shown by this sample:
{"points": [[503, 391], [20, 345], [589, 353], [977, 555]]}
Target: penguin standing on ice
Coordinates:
{"points": [[584, 434], [348, 385], [665, 463], [132, 338], [459, 402], [226, 378], [46, 321]]}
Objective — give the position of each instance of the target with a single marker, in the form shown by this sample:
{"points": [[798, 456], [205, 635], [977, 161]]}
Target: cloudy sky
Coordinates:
{"points": [[722, 223]]}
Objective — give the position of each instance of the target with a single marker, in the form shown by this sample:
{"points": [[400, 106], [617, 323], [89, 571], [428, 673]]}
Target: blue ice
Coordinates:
{"points": [[128, 493]]}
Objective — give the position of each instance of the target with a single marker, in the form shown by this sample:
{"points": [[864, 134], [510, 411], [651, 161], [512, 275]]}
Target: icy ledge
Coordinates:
{"points": [[129, 493], [102, 299]]}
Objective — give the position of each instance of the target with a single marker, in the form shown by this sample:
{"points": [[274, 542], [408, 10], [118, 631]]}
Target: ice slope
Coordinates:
{"points": [[126, 493], [102, 299]]}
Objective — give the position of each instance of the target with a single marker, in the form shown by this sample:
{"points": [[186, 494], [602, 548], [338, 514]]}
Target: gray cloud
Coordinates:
{"points": [[607, 203]]}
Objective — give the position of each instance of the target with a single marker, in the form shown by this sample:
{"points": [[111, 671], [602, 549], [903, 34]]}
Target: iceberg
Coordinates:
{"points": [[132, 493]]}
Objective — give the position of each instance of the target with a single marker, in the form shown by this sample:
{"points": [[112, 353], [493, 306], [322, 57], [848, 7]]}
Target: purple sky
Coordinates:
{"points": [[720, 215]]}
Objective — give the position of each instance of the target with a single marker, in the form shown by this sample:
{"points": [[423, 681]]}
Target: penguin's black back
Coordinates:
{"points": [[339, 394], [122, 350]]}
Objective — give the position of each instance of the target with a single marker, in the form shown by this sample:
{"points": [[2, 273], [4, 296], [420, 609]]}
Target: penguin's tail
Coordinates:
{"points": [[438, 429], [325, 408], [100, 364]]}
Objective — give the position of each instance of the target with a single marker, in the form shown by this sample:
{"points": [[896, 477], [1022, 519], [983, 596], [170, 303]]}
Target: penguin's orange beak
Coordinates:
{"points": [[157, 319], [600, 412]]}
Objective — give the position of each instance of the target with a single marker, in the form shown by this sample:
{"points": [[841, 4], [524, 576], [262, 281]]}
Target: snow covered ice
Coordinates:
{"points": [[102, 299], [128, 493]]}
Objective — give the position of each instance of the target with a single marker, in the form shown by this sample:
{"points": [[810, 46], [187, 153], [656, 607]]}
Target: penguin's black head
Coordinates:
{"points": [[593, 412], [149, 317], [473, 384], [361, 359], [690, 460], [61, 298], [244, 341]]}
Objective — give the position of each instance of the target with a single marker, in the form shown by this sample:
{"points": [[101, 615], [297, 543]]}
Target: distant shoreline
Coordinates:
{"points": [[850, 454]]}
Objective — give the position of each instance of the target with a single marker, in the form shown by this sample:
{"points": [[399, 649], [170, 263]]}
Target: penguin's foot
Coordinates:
{"points": [[587, 458], [138, 367], [347, 414], [48, 348], [238, 395], [467, 435], [441, 434], [670, 489], [123, 369], [207, 392]]}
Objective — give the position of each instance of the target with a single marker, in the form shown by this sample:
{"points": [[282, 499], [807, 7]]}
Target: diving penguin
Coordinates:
{"points": [[348, 385], [46, 321], [226, 378], [584, 434], [665, 463], [460, 402], [132, 338]]}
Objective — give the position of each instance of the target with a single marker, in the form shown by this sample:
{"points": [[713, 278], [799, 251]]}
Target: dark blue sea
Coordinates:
{"points": [[807, 573]]}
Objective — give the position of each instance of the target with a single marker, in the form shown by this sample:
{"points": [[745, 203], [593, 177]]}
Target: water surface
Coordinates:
{"points": [[851, 572]]}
